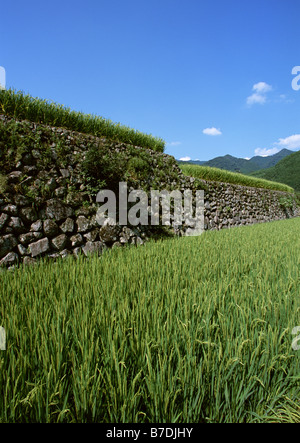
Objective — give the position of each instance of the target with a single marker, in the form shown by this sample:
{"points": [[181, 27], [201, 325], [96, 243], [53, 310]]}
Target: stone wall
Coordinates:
{"points": [[47, 207], [229, 205]]}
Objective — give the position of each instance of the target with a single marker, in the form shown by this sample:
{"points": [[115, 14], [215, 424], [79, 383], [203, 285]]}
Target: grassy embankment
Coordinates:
{"points": [[25, 107], [221, 175]]}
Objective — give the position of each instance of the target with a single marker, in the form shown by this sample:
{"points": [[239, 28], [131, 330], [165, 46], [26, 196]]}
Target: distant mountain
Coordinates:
{"points": [[242, 165], [285, 171], [272, 160], [191, 162], [231, 163]]}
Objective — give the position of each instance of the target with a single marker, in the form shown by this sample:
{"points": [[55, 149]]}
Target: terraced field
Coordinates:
{"points": [[182, 330]]}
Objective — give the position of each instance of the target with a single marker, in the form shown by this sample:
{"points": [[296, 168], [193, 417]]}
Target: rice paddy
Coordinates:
{"points": [[195, 329]]}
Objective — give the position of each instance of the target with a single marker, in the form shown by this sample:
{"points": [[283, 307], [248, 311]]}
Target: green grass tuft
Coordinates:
{"points": [[24, 107], [221, 175]]}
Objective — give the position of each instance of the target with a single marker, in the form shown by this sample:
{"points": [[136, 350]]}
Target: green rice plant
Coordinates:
{"points": [[221, 175], [24, 107], [195, 329]]}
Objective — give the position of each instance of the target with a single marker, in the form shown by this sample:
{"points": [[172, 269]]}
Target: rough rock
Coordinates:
{"points": [[65, 253], [14, 176], [92, 235], [29, 214], [36, 226], [21, 200], [76, 240], [10, 209], [83, 224], [57, 210], [50, 228], [7, 244], [39, 247], [17, 225], [92, 248], [59, 243], [29, 261], [22, 250], [60, 192], [3, 219], [67, 226], [139, 241], [65, 173], [10, 259], [108, 233], [25, 239]]}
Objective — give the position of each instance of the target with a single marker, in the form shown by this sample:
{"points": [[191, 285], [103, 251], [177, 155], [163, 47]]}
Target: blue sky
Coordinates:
{"points": [[209, 77]]}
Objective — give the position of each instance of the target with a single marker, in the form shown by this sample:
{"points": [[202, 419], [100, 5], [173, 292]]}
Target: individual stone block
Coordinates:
{"points": [[92, 235], [39, 247], [14, 177], [60, 192], [22, 250], [7, 244], [10, 259], [21, 200], [10, 209], [92, 248], [65, 253], [109, 233], [83, 224], [50, 228], [139, 241], [65, 173], [76, 240], [77, 251], [16, 224], [29, 214], [36, 226], [3, 219], [25, 239], [59, 243], [67, 226], [29, 261], [57, 210]]}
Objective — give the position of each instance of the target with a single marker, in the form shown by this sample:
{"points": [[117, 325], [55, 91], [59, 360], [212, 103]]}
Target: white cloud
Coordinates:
{"points": [[212, 131], [264, 152], [291, 142], [185, 159], [173, 143], [256, 98], [246, 158], [259, 96], [283, 98], [2, 78], [262, 87]]}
